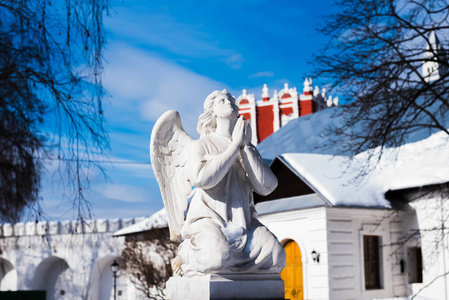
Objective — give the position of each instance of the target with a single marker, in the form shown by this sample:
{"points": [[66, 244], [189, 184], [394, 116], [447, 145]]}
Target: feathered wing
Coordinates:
{"points": [[168, 152]]}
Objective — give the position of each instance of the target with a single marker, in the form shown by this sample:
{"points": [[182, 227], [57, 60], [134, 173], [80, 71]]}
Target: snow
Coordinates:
{"points": [[307, 146], [313, 134], [415, 164], [287, 204], [308, 134], [155, 221]]}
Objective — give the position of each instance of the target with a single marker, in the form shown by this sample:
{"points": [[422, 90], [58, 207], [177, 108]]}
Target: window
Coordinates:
{"points": [[371, 259], [414, 256]]}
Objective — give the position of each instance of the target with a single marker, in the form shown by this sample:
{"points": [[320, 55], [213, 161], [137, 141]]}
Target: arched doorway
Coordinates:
{"points": [[102, 280], [55, 277], [8, 276], [292, 273]]}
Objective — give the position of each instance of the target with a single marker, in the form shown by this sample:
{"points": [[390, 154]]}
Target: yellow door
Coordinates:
{"points": [[292, 274]]}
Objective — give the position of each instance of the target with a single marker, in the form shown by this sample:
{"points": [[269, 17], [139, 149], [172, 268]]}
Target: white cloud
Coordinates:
{"points": [[131, 168], [142, 82], [235, 61], [266, 74], [161, 30], [121, 192]]}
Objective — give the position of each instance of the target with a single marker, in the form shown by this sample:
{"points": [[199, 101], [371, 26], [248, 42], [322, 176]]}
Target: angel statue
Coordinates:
{"points": [[216, 222]]}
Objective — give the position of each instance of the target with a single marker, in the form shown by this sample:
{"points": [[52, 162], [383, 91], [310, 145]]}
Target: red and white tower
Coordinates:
{"points": [[269, 114]]}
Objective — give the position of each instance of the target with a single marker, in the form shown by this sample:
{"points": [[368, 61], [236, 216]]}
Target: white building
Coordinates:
{"points": [[375, 237], [67, 260], [432, 69]]}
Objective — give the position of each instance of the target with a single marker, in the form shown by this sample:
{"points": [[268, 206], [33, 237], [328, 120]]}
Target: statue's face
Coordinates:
{"points": [[225, 107]]}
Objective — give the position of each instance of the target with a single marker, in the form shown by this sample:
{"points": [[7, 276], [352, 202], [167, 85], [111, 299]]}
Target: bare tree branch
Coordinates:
{"points": [[375, 61], [147, 258], [50, 97]]}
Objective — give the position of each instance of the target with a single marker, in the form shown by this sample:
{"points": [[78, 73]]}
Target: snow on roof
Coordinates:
{"points": [[308, 147], [313, 134], [291, 203], [155, 221], [412, 165], [306, 134]]}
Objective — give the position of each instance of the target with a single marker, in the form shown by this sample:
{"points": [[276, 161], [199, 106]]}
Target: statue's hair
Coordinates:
{"points": [[207, 121]]}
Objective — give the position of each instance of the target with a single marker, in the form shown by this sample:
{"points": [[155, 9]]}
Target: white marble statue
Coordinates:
{"points": [[216, 221]]}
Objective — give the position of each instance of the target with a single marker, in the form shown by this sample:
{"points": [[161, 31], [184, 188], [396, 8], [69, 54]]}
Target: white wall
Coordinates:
{"points": [[62, 256], [8, 276], [337, 235], [346, 228], [308, 229], [431, 214]]}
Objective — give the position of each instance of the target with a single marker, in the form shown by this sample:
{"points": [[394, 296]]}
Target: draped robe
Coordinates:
{"points": [[221, 233]]}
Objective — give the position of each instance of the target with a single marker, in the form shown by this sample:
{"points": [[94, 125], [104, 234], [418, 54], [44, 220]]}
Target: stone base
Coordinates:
{"points": [[208, 287]]}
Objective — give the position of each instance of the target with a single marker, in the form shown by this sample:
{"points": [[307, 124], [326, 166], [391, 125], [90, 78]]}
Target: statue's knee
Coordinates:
{"points": [[219, 254]]}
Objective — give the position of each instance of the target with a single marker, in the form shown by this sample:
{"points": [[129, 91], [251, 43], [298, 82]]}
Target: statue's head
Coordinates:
{"points": [[207, 120]]}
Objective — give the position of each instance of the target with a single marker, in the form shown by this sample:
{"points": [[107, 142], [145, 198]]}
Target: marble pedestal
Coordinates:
{"points": [[247, 286]]}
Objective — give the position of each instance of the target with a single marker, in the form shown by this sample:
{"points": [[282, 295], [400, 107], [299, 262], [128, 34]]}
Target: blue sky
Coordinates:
{"points": [[165, 55]]}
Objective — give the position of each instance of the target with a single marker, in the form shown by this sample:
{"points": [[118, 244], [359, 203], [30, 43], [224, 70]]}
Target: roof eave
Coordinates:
{"points": [[304, 179]]}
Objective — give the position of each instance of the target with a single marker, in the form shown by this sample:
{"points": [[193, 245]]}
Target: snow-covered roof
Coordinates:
{"points": [[286, 204], [308, 134], [313, 134], [415, 164], [155, 221]]}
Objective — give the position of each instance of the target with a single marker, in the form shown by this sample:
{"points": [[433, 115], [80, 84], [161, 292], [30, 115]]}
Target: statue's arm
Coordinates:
{"points": [[260, 175], [206, 171]]}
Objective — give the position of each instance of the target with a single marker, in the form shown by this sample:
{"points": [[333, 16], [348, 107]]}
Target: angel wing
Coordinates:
{"points": [[168, 152]]}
